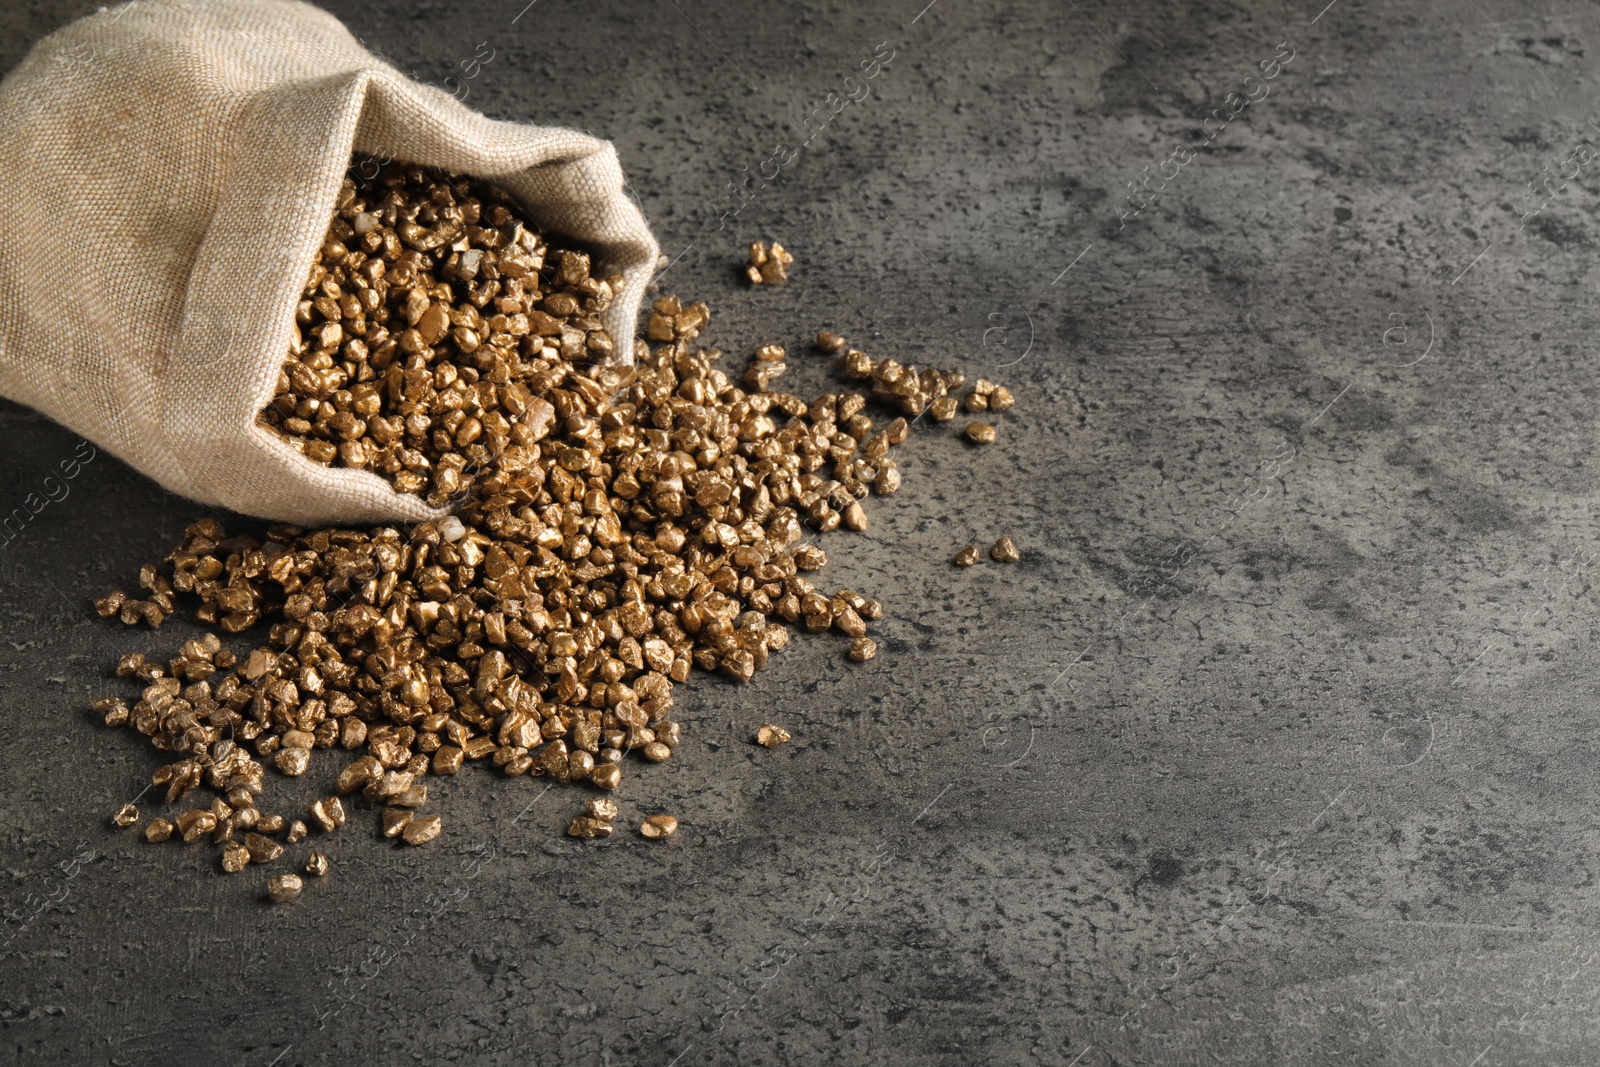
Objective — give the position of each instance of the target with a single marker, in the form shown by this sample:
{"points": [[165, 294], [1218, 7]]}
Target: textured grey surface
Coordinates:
{"points": [[1275, 748]]}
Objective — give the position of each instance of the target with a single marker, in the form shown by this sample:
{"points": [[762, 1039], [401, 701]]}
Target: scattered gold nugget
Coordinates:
{"points": [[317, 864], [235, 857], [194, 825], [1005, 551], [771, 736], [262, 849], [284, 887], [422, 829], [126, 816], [863, 649], [967, 556], [395, 821], [292, 761], [980, 433], [588, 828], [826, 342], [657, 827]]}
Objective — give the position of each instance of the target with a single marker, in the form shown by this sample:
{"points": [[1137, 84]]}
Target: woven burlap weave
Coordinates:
{"points": [[170, 169]]}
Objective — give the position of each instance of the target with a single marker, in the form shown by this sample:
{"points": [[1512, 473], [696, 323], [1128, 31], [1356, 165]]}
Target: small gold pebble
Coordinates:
{"points": [[395, 820], [158, 830], [317, 864], [967, 556], [607, 775], [943, 409], [1001, 399], [235, 857], [262, 849], [1005, 551], [422, 829], [357, 775], [292, 761], [270, 824], [284, 887], [588, 828], [826, 341], [414, 797], [771, 736], [194, 825], [126, 815], [863, 649], [655, 752], [976, 402], [980, 433], [447, 760], [297, 832], [602, 808], [657, 827]]}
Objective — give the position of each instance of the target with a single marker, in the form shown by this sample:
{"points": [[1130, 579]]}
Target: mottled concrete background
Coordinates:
{"points": [[1276, 748]]}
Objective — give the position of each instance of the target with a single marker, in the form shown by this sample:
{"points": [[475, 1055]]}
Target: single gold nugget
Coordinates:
{"points": [[771, 736], [422, 829], [658, 827], [284, 887], [235, 857]]}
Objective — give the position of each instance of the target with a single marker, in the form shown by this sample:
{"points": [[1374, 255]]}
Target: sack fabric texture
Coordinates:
{"points": [[170, 169]]}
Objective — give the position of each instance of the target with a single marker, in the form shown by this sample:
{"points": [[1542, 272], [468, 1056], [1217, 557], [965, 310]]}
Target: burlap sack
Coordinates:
{"points": [[169, 169]]}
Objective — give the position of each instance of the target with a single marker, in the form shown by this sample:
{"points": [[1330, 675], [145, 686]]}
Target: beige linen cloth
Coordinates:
{"points": [[169, 170]]}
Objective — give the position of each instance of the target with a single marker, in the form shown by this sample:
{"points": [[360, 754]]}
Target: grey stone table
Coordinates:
{"points": [[1276, 747]]}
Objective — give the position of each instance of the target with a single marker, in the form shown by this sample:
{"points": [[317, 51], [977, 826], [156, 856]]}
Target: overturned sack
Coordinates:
{"points": [[172, 169]]}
